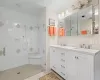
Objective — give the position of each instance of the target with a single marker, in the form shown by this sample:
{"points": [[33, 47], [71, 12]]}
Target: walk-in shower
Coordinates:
{"points": [[22, 39]]}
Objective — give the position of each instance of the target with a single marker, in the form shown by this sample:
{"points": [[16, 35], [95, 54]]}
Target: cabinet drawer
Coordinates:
{"points": [[62, 66], [62, 74], [62, 55], [62, 61], [54, 68], [62, 52]]}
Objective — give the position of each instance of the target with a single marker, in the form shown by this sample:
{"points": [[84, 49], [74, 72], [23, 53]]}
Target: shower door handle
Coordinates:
{"points": [[4, 50]]}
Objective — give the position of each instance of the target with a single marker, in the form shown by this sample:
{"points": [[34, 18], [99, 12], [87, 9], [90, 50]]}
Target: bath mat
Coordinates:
{"points": [[51, 76]]}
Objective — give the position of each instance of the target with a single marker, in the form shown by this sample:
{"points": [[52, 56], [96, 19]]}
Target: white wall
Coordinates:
{"points": [[42, 36], [9, 33], [50, 14]]}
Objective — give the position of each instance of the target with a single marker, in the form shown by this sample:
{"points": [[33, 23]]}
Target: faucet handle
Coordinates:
{"points": [[81, 46], [84, 46], [89, 46]]}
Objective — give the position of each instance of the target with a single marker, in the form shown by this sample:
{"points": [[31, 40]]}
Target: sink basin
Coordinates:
{"points": [[68, 47]]}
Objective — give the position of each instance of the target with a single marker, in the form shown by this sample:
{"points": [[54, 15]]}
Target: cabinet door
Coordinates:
{"points": [[71, 66], [54, 59], [84, 67]]}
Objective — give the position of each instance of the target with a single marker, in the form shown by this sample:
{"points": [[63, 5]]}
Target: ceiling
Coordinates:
{"points": [[25, 6], [61, 5], [35, 6]]}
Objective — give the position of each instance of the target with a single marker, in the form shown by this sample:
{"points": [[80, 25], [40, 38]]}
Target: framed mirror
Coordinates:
{"points": [[85, 21], [67, 24], [96, 20], [74, 25]]}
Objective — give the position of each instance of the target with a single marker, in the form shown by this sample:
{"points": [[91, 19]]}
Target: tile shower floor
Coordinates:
{"points": [[22, 73]]}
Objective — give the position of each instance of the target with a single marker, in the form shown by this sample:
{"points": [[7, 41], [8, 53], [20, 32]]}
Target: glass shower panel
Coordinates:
{"points": [[96, 20]]}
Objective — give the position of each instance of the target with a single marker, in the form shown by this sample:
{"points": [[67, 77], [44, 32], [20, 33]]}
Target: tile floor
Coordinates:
{"points": [[37, 76], [22, 72]]}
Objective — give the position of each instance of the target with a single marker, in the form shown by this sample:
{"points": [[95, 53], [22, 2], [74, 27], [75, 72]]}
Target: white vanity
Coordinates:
{"points": [[75, 63]]}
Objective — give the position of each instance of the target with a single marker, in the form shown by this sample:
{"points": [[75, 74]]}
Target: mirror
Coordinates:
{"points": [[85, 21], [67, 23], [96, 20], [74, 26]]}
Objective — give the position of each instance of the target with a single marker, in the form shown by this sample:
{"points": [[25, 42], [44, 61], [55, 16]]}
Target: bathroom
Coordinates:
{"points": [[31, 30]]}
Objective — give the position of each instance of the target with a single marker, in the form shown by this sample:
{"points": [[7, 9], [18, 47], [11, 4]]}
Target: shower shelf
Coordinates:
{"points": [[34, 57]]}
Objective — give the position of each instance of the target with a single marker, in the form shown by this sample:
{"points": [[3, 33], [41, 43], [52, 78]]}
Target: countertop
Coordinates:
{"points": [[88, 51]]}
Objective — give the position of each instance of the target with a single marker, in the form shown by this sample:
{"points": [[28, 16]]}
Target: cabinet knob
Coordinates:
{"points": [[62, 66], [62, 73], [62, 53], [63, 60], [76, 57], [53, 50]]}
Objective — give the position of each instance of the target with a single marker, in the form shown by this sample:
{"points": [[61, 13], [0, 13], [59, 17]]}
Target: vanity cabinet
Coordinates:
{"points": [[79, 66], [75, 65], [57, 61]]}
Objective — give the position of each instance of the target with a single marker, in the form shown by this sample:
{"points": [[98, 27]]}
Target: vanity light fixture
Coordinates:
{"points": [[59, 16], [17, 25], [63, 14], [68, 13], [96, 12]]}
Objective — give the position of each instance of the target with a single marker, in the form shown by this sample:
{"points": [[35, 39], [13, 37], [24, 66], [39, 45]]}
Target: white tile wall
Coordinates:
{"points": [[50, 14], [77, 40], [8, 38]]}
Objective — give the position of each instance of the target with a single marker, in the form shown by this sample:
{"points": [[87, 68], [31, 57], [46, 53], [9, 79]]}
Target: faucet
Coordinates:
{"points": [[82, 46], [85, 46], [89, 46]]}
